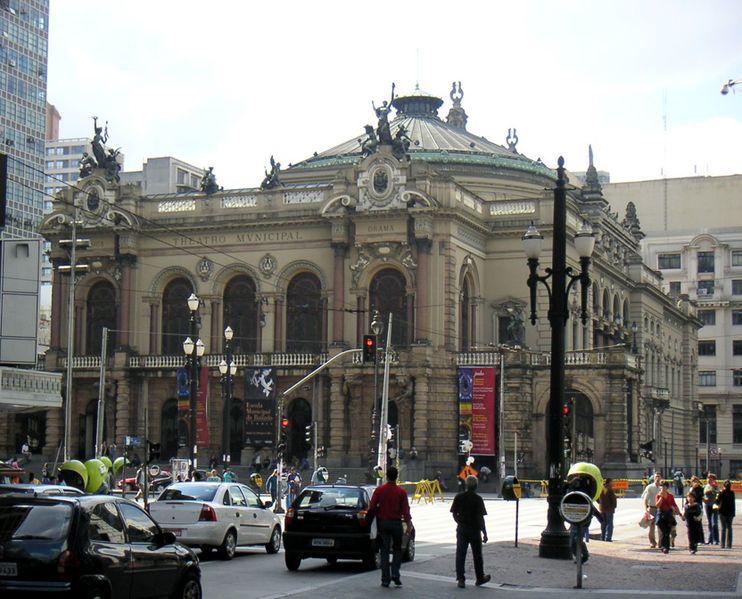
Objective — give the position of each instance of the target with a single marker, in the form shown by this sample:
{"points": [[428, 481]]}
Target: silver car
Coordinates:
{"points": [[221, 516]]}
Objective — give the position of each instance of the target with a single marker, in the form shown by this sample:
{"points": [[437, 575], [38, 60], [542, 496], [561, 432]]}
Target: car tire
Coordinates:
{"points": [[229, 545], [96, 593], [190, 588], [274, 544], [372, 561], [409, 552], [293, 561]]}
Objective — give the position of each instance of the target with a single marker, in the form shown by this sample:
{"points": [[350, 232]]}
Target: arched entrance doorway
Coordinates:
{"points": [[300, 416], [170, 436], [580, 426], [86, 439]]}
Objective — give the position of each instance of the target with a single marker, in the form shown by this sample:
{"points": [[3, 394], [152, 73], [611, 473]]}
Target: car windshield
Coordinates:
{"points": [[331, 498], [49, 522], [189, 492]]}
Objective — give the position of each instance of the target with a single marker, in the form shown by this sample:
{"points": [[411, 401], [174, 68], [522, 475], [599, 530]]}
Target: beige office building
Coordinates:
{"points": [[423, 223], [693, 230]]}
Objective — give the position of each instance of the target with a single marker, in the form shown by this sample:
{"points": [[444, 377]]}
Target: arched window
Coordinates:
{"points": [[240, 313], [101, 312], [388, 295], [465, 325], [304, 316], [173, 432], [175, 316]]}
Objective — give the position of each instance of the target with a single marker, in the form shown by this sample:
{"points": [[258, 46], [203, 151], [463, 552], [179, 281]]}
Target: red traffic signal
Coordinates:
{"points": [[284, 423], [565, 409], [369, 348]]}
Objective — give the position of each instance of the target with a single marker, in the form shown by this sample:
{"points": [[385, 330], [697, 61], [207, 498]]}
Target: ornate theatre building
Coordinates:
{"points": [[416, 218]]}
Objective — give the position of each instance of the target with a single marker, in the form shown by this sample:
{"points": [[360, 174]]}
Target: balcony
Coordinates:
{"points": [[22, 389]]}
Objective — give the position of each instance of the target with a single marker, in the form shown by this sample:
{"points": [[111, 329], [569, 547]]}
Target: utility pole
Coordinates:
{"points": [[73, 267], [101, 393]]}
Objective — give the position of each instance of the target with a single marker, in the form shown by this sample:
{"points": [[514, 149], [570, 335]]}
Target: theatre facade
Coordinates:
{"points": [[417, 219]]}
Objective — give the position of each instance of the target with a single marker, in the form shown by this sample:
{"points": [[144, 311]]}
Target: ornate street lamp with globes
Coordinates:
{"points": [[193, 351], [555, 539], [228, 369]]}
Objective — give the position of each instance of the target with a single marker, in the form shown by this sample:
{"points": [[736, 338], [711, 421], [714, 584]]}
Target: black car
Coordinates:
{"points": [[90, 547], [331, 522]]}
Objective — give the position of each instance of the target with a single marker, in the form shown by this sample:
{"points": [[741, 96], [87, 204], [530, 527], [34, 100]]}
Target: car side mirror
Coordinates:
{"points": [[267, 503], [167, 538]]}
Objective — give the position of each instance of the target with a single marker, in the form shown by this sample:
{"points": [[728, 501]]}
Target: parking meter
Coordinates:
{"points": [[576, 508], [510, 488], [585, 477]]}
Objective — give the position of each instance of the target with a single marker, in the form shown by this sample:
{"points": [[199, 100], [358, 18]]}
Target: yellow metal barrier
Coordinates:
{"points": [[425, 490]]}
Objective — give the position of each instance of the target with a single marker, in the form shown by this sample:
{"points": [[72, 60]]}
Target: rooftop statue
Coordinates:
{"points": [[103, 158], [369, 145], [271, 179], [382, 112], [100, 137], [208, 182], [400, 143], [512, 140]]}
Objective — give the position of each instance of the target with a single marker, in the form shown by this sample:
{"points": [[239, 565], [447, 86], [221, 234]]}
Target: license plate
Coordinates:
{"points": [[176, 531], [8, 569], [323, 542]]}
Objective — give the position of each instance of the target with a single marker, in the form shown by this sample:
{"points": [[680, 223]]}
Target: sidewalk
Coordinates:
{"points": [[616, 566]]}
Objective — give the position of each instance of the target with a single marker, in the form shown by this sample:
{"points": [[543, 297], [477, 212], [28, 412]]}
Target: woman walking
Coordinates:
{"points": [[693, 514], [725, 503]]}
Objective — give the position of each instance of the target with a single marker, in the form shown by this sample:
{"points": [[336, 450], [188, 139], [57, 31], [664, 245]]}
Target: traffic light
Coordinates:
{"points": [[369, 348], [565, 410], [283, 440], [308, 433]]}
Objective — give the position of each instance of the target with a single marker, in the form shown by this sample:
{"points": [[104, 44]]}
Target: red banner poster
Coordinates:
{"points": [[483, 411], [202, 416]]}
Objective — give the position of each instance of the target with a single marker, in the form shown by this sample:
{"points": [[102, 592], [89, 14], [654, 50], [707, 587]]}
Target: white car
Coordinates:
{"points": [[218, 516]]}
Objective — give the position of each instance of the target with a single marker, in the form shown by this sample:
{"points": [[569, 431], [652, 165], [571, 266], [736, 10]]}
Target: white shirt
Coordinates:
{"points": [[649, 496]]}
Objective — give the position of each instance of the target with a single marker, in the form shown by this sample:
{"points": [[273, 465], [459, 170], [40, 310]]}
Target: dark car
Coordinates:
{"points": [[40, 490], [90, 547], [331, 522]]}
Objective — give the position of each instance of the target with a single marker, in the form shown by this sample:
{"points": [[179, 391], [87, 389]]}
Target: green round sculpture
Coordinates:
{"points": [[118, 464], [97, 471], [585, 477], [107, 461], [74, 474]]}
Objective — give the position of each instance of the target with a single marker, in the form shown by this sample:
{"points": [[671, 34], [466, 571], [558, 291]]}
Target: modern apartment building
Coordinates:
{"points": [[24, 35], [693, 230]]}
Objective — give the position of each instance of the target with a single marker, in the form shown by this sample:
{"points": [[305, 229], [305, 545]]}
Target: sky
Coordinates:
{"points": [[228, 83]]}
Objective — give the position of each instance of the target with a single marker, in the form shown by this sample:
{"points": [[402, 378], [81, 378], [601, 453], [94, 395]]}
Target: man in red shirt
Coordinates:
{"points": [[389, 504]]}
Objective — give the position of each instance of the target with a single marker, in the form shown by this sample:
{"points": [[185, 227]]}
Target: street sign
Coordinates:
{"points": [[576, 507]]}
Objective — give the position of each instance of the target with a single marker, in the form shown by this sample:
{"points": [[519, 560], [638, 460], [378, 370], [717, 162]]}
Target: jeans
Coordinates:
{"points": [[391, 540], [606, 526], [726, 531], [464, 538], [712, 516]]}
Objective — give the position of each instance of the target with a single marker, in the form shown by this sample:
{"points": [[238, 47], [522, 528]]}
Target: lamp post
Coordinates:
{"points": [[555, 539], [728, 85], [193, 351], [228, 369], [377, 327]]}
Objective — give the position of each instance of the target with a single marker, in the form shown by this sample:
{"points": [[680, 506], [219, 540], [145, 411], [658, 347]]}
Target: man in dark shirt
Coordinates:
{"points": [[468, 510], [390, 506]]}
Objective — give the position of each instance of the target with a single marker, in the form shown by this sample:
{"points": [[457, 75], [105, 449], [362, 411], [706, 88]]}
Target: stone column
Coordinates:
{"points": [[338, 294], [58, 286], [278, 341], [422, 321], [154, 326], [127, 262]]}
